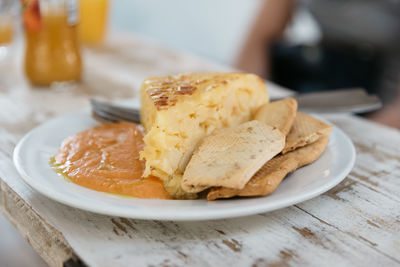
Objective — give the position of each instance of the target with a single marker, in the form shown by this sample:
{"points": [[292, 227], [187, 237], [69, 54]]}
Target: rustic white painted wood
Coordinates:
{"points": [[357, 223]]}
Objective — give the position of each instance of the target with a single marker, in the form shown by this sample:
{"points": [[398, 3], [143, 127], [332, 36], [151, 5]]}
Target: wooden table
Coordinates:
{"points": [[357, 223]]}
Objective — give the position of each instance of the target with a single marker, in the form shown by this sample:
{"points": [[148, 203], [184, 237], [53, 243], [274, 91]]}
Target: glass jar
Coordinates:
{"points": [[52, 50]]}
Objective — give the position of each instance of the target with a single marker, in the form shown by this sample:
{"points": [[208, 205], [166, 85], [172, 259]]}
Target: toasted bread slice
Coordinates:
{"points": [[305, 130], [267, 179], [179, 110], [280, 114], [230, 157]]}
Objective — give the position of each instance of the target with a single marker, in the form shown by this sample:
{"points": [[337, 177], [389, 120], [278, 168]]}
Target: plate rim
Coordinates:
{"points": [[214, 215]]}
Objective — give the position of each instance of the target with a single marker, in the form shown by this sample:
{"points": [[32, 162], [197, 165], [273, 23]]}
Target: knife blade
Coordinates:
{"points": [[352, 100]]}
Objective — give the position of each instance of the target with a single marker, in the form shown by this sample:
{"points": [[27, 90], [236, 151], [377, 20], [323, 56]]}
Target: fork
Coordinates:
{"points": [[106, 112], [354, 100]]}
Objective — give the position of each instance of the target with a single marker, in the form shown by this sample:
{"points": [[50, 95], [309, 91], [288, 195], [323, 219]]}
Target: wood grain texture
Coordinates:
{"points": [[46, 240], [357, 223]]}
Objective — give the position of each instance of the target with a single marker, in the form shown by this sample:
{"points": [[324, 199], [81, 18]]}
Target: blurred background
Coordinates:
{"points": [[212, 29], [303, 45]]}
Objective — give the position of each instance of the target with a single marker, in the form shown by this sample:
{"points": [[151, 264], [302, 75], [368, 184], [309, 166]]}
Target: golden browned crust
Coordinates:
{"points": [[165, 90]]}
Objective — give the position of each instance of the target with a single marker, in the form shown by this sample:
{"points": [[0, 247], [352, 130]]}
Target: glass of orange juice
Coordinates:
{"points": [[93, 21]]}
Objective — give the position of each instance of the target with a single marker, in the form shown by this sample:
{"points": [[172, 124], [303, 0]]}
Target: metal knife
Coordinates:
{"points": [[354, 100]]}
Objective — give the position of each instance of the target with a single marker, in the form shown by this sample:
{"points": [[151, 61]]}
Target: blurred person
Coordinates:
{"points": [[359, 48], [390, 114]]}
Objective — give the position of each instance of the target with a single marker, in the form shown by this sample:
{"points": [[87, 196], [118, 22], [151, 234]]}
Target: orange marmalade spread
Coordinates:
{"points": [[106, 158]]}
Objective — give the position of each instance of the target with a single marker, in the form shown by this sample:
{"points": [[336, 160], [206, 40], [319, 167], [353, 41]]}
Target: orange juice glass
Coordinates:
{"points": [[93, 21], [52, 50]]}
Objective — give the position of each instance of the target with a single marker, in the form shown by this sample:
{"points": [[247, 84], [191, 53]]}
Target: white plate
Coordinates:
{"points": [[32, 154]]}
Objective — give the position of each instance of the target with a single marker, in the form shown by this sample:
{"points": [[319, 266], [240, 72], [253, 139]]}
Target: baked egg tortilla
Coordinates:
{"points": [[178, 111]]}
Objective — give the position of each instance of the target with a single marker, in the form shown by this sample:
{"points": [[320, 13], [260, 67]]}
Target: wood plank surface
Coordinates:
{"points": [[357, 223]]}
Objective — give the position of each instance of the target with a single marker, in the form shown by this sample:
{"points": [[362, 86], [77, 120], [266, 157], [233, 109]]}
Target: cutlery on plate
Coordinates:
{"points": [[354, 100]]}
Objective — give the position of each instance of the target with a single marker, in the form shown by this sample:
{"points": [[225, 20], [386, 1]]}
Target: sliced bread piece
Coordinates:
{"points": [[230, 157], [280, 114], [305, 130], [267, 179]]}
